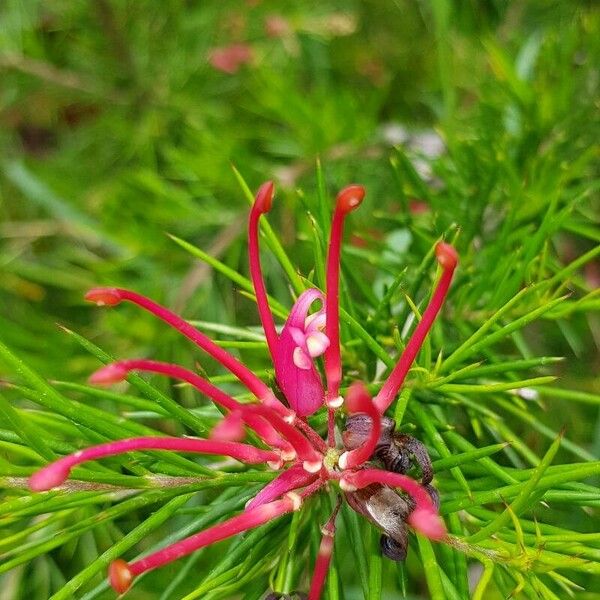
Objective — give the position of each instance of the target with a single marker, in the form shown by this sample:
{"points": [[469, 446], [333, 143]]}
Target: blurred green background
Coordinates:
{"points": [[116, 128], [120, 122]]}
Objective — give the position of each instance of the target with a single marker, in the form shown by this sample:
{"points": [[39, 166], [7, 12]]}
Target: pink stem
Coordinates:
{"points": [[301, 446], [347, 200], [122, 576], [262, 204], [113, 296], [295, 477], [57, 472], [323, 558], [448, 259], [312, 488], [312, 459], [358, 400], [364, 477], [331, 427], [315, 439], [118, 371], [424, 518], [321, 565]]}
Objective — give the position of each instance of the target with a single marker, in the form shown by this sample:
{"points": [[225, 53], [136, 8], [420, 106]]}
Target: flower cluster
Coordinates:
{"points": [[307, 461]]}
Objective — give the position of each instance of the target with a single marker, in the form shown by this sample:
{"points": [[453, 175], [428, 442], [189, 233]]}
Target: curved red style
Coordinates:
{"points": [[306, 460]]}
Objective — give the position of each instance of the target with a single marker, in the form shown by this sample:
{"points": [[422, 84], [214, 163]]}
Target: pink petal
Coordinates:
{"points": [[299, 312], [316, 343], [301, 359], [315, 322], [298, 336], [302, 388]]}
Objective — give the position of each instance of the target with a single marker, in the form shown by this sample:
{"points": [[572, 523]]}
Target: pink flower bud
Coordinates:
{"points": [[296, 374]]}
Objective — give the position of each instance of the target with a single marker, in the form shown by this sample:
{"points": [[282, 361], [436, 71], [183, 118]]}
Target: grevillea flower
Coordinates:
{"points": [[307, 462]]}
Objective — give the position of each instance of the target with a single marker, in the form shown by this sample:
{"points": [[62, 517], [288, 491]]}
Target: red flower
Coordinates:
{"points": [[306, 460]]}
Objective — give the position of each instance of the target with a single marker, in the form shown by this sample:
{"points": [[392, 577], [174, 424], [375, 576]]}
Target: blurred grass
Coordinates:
{"points": [[476, 121]]}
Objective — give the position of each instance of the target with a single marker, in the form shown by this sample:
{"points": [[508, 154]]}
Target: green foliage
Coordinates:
{"points": [[118, 139]]}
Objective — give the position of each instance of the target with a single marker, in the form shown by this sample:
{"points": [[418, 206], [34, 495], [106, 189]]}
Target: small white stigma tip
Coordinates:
{"points": [[346, 486], [343, 461], [290, 419], [275, 464], [296, 499], [312, 466], [335, 402]]}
